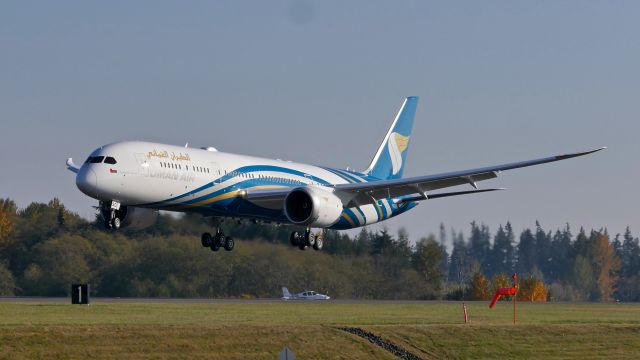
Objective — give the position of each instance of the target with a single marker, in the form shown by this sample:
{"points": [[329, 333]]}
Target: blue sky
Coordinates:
{"points": [[319, 82]]}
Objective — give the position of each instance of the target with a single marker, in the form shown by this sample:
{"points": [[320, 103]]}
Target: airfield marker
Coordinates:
{"points": [[464, 307]]}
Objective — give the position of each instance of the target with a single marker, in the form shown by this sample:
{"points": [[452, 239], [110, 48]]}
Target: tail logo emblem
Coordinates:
{"points": [[397, 145]]}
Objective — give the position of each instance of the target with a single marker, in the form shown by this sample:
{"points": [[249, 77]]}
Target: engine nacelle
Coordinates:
{"points": [[137, 218], [312, 207]]}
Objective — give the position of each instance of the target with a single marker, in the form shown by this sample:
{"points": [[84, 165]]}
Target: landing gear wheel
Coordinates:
{"points": [[311, 239], [206, 240], [107, 224], [228, 243], [115, 223], [302, 245], [218, 240], [319, 243], [295, 238]]}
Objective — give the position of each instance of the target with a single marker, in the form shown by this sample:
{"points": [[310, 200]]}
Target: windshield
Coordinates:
{"points": [[95, 159]]}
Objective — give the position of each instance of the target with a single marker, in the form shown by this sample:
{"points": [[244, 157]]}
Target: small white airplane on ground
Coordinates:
{"points": [[133, 180], [305, 295]]}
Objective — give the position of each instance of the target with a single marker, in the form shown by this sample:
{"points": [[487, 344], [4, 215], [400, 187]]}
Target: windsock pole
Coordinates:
{"points": [[515, 285], [512, 291]]}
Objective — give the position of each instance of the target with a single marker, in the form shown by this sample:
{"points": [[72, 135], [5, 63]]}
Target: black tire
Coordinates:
{"points": [[115, 222], [319, 243], [310, 239], [218, 240], [229, 243], [295, 238], [302, 245], [107, 224], [206, 239]]}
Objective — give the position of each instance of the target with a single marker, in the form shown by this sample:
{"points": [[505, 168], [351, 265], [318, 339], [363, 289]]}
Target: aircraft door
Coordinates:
{"points": [[143, 164], [216, 173]]}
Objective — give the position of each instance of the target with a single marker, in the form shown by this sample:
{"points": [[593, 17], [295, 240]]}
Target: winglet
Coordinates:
{"points": [[569, 156], [71, 166]]}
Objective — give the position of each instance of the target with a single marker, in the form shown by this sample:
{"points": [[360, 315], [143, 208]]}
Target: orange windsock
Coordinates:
{"points": [[501, 292]]}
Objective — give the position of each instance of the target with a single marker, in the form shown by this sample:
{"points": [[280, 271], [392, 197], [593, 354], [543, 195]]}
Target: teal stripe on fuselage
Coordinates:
{"points": [[338, 174], [364, 218], [243, 170]]}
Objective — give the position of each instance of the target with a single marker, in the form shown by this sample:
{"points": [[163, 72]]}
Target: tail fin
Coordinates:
{"points": [[285, 292], [389, 161]]}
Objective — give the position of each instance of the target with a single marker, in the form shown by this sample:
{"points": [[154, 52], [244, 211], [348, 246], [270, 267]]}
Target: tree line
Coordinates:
{"points": [[45, 247]]}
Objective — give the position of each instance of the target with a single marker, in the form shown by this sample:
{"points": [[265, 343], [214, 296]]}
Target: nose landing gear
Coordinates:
{"points": [[111, 214]]}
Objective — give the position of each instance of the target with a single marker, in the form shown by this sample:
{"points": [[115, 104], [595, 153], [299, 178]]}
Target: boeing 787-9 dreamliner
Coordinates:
{"points": [[132, 180]]}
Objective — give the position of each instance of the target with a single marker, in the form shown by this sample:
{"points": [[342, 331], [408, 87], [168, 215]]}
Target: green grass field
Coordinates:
{"points": [[311, 330]]}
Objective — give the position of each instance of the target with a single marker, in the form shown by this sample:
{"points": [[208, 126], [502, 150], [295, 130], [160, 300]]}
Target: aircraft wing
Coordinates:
{"points": [[411, 189], [365, 193]]}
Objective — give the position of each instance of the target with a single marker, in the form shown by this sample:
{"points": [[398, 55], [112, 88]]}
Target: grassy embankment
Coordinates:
{"points": [[260, 330]]}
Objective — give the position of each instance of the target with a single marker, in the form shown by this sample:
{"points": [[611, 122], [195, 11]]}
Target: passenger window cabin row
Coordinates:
{"points": [[200, 169]]}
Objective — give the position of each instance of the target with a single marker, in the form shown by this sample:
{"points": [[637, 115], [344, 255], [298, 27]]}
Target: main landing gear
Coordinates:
{"points": [[307, 239], [216, 241]]}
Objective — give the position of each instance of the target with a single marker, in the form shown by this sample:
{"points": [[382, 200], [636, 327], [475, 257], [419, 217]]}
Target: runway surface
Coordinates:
{"points": [[104, 300]]}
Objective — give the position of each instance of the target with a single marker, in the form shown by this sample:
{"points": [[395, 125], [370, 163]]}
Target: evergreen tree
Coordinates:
{"points": [[480, 245], [560, 255], [543, 251], [444, 259], [630, 257], [511, 239], [363, 242], [501, 253], [527, 255], [581, 244], [458, 265]]}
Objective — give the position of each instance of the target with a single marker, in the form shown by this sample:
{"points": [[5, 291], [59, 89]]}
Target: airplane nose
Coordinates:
{"points": [[87, 181]]}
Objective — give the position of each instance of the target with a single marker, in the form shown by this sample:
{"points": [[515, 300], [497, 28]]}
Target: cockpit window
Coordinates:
{"points": [[96, 159], [110, 160]]}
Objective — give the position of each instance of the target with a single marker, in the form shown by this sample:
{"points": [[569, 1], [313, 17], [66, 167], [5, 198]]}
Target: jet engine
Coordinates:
{"points": [[312, 207]]}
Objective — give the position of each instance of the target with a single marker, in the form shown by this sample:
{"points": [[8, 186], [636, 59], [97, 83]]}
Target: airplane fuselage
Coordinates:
{"points": [[210, 182]]}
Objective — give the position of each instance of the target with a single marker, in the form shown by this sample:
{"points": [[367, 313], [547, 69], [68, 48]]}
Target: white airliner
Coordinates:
{"points": [[305, 295], [133, 180]]}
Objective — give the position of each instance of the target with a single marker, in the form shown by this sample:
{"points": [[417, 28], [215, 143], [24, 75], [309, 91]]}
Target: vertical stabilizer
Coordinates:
{"points": [[389, 161], [285, 293]]}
